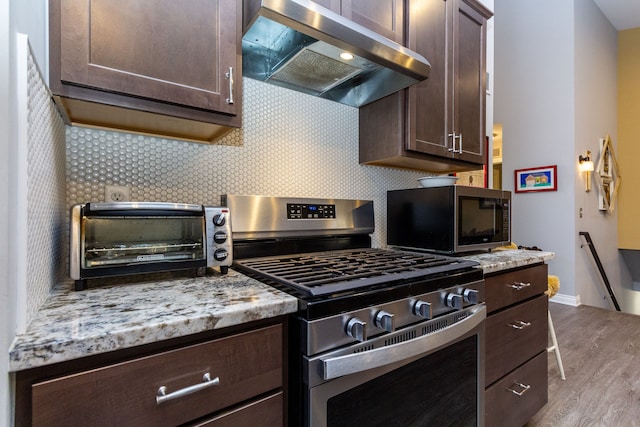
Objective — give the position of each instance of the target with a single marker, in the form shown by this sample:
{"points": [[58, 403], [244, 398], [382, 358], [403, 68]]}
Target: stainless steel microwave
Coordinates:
{"points": [[450, 219], [123, 238]]}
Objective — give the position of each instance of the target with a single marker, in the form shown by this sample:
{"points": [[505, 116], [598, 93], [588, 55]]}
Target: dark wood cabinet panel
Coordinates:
{"points": [[264, 412], [442, 126], [469, 80], [385, 17], [519, 395], [246, 364], [180, 60], [516, 345], [512, 287], [514, 336]]}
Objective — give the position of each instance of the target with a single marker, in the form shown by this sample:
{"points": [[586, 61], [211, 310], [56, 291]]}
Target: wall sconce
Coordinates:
{"points": [[586, 166]]}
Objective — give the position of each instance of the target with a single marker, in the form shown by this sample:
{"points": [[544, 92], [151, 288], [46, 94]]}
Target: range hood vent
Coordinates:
{"points": [[300, 45]]}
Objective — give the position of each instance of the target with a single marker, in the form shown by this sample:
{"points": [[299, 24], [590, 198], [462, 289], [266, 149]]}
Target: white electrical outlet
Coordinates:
{"points": [[116, 193]]}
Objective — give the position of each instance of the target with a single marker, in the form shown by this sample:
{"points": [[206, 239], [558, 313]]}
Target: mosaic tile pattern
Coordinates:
{"points": [[45, 192], [291, 144]]}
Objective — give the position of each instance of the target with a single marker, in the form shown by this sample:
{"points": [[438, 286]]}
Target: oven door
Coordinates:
{"points": [[429, 374]]}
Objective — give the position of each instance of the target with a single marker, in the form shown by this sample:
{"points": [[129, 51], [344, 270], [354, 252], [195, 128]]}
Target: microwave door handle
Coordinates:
{"points": [[334, 367]]}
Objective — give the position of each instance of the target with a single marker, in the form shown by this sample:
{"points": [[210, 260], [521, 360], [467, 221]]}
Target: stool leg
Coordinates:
{"points": [[554, 346]]}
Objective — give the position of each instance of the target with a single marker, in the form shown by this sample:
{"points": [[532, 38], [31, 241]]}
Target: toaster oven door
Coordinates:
{"points": [[128, 241]]}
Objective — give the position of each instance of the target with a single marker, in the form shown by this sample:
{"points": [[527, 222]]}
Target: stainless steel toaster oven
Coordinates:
{"points": [[123, 238]]}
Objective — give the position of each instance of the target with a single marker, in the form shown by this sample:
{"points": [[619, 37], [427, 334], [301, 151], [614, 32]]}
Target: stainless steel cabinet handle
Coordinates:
{"points": [[229, 75], [459, 138], [334, 367], [453, 142], [519, 286], [207, 382], [519, 324], [524, 387]]}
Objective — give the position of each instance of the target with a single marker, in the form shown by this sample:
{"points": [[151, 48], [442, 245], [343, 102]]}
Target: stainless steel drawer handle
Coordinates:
{"points": [[519, 324], [207, 382], [519, 286], [524, 388]]}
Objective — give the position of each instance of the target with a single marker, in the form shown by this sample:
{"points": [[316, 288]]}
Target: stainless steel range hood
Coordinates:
{"points": [[298, 44]]}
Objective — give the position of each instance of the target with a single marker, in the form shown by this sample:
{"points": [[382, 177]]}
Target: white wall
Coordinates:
{"points": [[533, 100], [555, 94], [29, 17], [6, 312], [596, 116]]}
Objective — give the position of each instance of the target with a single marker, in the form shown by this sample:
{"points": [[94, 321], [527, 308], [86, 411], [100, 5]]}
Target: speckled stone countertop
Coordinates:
{"points": [[498, 260], [73, 324]]}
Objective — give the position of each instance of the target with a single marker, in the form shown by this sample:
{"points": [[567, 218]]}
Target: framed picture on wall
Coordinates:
{"points": [[544, 178]]}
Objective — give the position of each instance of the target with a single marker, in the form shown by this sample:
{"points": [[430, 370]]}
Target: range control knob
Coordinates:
{"points": [[471, 296], [454, 301], [219, 219], [423, 309], [220, 254], [357, 329], [384, 320], [220, 237]]}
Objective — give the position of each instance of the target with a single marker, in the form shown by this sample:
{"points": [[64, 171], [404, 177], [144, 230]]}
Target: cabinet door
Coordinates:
{"points": [[516, 398], [175, 52], [245, 365], [428, 115], [385, 17], [469, 82]]}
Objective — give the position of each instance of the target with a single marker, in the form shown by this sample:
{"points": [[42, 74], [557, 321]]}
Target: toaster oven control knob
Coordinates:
{"points": [[357, 329], [423, 309], [454, 301], [219, 219], [219, 237], [384, 320], [471, 296], [220, 254]]}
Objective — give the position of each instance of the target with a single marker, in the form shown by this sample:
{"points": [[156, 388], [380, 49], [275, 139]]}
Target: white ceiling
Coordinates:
{"points": [[623, 14]]}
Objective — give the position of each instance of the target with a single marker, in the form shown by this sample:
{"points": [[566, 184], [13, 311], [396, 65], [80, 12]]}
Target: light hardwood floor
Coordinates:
{"points": [[601, 356]]}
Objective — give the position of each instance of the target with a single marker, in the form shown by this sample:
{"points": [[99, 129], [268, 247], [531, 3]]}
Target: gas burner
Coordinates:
{"points": [[323, 273]]}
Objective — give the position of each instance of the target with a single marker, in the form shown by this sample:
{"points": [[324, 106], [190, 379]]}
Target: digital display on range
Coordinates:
{"points": [[308, 211]]}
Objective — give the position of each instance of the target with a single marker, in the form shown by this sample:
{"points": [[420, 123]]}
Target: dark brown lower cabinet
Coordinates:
{"points": [[233, 380], [518, 395], [516, 346]]}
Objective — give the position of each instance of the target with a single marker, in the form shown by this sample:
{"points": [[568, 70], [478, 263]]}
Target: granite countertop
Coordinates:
{"points": [[72, 324], [498, 260]]}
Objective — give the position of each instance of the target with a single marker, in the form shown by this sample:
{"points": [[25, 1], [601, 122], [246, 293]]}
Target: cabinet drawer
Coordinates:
{"points": [[514, 336], [509, 288], [264, 412], [518, 396], [246, 364]]}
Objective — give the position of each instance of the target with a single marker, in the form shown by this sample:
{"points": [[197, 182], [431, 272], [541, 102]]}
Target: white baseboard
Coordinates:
{"points": [[567, 299]]}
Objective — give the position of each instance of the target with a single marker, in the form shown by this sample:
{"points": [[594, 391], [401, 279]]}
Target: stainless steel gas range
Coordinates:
{"points": [[381, 337]]}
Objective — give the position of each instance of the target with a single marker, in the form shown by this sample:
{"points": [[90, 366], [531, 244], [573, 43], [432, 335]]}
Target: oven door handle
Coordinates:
{"points": [[334, 367]]}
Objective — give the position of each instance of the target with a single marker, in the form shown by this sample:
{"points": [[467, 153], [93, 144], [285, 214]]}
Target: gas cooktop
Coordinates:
{"points": [[331, 272]]}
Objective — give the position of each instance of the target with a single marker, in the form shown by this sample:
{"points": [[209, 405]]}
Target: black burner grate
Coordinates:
{"points": [[322, 273]]}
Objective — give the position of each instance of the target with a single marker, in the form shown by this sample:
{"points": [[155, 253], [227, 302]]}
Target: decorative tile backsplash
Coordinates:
{"points": [[46, 210], [290, 144]]}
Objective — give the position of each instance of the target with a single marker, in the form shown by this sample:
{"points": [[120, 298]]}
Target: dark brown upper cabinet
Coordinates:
{"points": [[158, 67], [385, 17], [437, 125]]}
